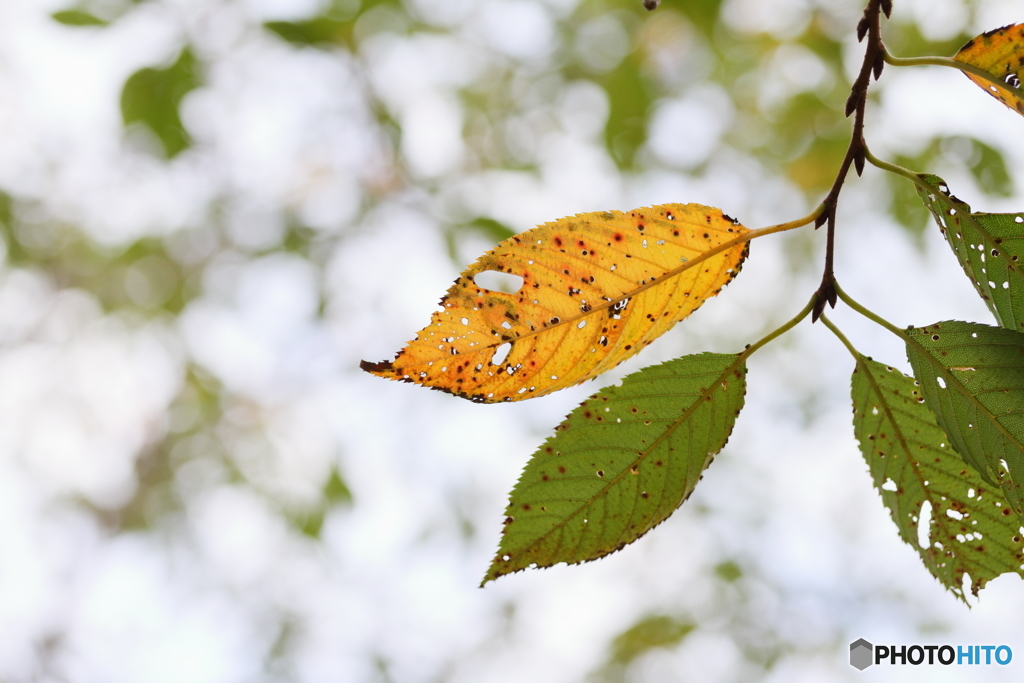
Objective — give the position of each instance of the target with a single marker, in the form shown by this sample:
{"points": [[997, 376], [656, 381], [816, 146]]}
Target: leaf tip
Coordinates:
{"points": [[375, 368]]}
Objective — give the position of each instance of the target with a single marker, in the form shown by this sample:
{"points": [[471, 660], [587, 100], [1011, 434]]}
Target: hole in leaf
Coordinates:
{"points": [[924, 523], [889, 485], [498, 282], [501, 353], [942, 382]]}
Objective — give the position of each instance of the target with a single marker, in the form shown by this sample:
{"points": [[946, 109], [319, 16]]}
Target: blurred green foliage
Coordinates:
{"points": [[943, 154], [77, 17], [488, 228], [646, 634], [630, 97], [322, 30], [151, 97], [905, 40], [333, 28], [335, 492], [728, 571]]}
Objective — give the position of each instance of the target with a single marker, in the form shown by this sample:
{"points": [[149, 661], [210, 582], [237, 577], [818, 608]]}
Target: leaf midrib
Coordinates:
{"points": [[701, 398]]}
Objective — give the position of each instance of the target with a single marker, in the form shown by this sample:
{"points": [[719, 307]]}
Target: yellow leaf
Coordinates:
{"points": [[596, 288], [1001, 53]]}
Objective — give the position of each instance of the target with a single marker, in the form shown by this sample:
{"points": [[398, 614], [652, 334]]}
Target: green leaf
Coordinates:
{"points": [[152, 96], [77, 17], [989, 247], [972, 376], [621, 462], [970, 530]]}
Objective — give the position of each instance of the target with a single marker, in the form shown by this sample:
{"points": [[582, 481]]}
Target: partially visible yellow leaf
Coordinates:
{"points": [[596, 288], [1001, 53]]}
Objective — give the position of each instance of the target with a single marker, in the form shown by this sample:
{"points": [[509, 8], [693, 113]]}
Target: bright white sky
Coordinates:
{"points": [[226, 591]]}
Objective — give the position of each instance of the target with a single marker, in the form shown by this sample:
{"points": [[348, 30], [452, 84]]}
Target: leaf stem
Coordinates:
{"points": [[898, 170], [870, 315], [782, 227], [779, 331], [888, 166], [953, 64], [842, 337]]}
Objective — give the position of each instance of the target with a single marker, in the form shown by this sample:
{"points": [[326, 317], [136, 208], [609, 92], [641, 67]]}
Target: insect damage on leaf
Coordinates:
{"points": [[621, 462], [1001, 53], [596, 288], [972, 377], [967, 527], [989, 247]]}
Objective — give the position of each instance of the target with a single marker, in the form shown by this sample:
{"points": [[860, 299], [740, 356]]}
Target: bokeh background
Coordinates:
{"points": [[211, 210]]}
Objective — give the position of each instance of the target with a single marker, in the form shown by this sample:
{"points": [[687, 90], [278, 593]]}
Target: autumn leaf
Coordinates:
{"points": [[988, 246], [621, 462], [1001, 53], [923, 481], [596, 288], [972, 377]]}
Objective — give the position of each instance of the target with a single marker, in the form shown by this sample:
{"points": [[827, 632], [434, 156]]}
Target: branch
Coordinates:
{"points": [[874, 61]]}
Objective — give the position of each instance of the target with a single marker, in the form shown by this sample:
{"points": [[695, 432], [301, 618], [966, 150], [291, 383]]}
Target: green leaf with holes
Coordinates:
{"points": [[970, 528], [621, 462], [989, 246], [972, 377], [152, 97]]}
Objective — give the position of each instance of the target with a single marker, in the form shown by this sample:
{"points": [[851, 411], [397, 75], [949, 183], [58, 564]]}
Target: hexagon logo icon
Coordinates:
{"points": [[861, 654]]}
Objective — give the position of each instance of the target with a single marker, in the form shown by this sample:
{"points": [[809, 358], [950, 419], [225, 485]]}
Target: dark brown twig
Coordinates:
{"points": [[874, 61]]}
